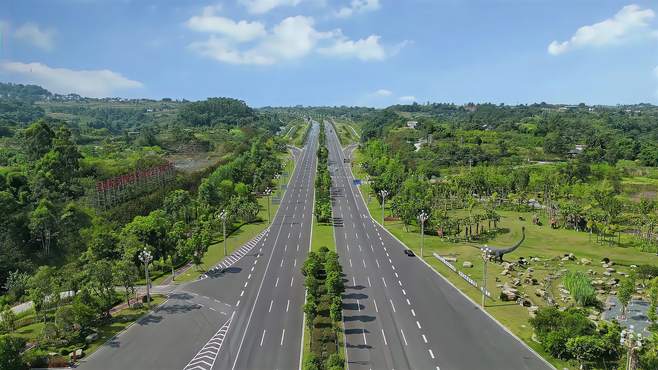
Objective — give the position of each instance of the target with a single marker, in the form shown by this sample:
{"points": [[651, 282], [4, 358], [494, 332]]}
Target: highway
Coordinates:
{"points": [[245, 314], [398, 313]]}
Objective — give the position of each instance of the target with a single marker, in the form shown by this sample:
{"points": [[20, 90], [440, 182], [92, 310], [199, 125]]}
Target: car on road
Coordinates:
{"points": [[409, 252]]}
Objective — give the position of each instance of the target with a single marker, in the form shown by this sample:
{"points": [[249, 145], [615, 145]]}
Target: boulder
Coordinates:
{"points": [[467, 264], [450, 259], [566, 258], [585, 261], [91, 337], [504, 272], [607, 273], [571, 257], [508, 295], [516, 282], [532, 310], [610, 269], [540, 293]]}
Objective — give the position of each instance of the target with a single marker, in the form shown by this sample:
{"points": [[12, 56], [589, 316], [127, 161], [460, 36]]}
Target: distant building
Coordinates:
{"points": [[412, 124]]}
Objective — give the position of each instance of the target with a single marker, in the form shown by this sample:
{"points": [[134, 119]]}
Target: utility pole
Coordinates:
{"points": [[222, 216], [486, 254], [383, 193], [422, 218], [146, 258], [268, 192]]}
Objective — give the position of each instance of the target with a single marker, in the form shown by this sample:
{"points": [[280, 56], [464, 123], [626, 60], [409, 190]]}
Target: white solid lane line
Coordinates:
{"points": [[404, 338]]}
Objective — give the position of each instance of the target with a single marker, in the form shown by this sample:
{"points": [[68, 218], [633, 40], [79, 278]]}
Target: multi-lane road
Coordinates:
{"points": [[398, 313], [246, 314]]}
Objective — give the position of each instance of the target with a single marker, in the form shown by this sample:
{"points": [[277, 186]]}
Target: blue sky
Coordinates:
{"points": [[337, 52]]}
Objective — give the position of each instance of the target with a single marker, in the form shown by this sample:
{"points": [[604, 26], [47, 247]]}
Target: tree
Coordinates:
{"points": [[10, 353], [334, 284], [17, 283], [336, 309], [126, 274], [37, 139], [7, 320], [653, 299], [43, 290], [311, 311], [43, 221], [101, 284], [586, 349], [177, 204], [625, 292]]}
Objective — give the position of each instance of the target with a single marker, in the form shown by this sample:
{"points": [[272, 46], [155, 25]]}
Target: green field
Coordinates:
{"points": [[541, 241]]}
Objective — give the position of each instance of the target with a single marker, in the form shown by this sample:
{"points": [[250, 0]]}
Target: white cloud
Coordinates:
{"points": [[264, 6], [655, 72], [363, 49], [92, 83], [32, 34], [383, 92], [293, 38], [631, 22], [241, 31], [358, 6], [407, 99]]}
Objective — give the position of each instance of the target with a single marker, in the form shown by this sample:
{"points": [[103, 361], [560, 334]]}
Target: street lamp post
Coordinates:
{"points": [[422, 217], [633, 343], [383, 193], [268, 192], [486, 254], [146, 258], [222, 216]]}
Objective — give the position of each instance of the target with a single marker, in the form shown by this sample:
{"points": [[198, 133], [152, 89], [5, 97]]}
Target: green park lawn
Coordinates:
{"points": [[120, 321], [541, 241]]}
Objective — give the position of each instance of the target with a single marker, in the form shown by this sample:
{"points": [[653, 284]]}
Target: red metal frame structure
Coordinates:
{"points": [[116, 190]]}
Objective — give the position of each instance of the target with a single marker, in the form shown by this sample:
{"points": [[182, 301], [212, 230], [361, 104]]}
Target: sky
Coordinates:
{"points": [[337, 52]]}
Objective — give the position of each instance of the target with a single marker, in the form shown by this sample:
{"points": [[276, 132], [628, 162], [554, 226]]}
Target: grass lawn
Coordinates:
{"points": [[541, 241], [346, 133], [120, 321], [297, 138], [238, 237]]}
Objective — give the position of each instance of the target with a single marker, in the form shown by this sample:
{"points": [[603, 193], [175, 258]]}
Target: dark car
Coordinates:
{"points": [[409, 252]]}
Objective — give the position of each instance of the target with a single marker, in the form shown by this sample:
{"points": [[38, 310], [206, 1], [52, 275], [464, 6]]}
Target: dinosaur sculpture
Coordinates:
{"points": [[496, 254]]}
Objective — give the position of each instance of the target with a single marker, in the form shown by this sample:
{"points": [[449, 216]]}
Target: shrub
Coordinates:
{"points": [[311, 362], [10, 353], [335, 362], [580, 287]]}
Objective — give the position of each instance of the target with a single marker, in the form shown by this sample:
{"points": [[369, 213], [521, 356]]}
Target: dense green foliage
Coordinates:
{"points": [[580, 287], [571, 335], [324, 284], [323, 181]]}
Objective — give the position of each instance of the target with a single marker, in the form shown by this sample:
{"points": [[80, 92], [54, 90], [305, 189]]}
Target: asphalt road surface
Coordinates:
{"points": [[246, 314], [398, 313]]}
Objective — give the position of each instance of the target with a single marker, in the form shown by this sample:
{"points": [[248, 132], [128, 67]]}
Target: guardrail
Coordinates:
{"points": [[467, 278]]}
